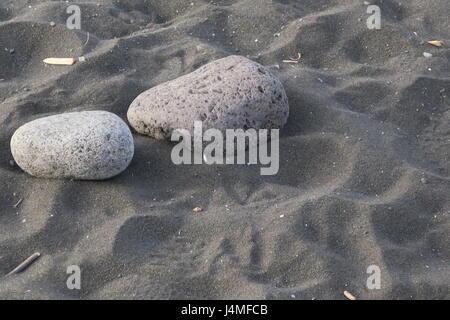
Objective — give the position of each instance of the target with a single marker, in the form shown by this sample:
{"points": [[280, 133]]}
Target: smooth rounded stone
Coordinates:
{"points": [[229, 93], [90, 145]]}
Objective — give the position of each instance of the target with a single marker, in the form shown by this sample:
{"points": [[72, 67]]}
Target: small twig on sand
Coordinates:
{"points": [[60, 61], [349, 296], [21, 267], [18, 203], [84, 45], [294, 60], [436, 43]]}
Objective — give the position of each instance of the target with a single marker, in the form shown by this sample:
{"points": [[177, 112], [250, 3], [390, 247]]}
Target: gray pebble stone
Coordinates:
{"points": [[89, 145], [229, 93]]}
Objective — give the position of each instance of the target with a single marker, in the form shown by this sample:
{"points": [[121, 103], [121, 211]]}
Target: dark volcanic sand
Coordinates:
{"points": [[364, 176]]}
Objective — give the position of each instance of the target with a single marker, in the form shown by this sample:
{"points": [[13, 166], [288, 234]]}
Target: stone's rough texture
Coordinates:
{"points": [[91, 145], [230, 93]]}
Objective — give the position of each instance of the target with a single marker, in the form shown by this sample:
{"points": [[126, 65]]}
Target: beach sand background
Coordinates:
{"points": [[364, 175]]}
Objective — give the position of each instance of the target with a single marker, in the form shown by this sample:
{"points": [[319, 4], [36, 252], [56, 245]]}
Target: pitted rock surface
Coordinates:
{"points": [[229, 93]]}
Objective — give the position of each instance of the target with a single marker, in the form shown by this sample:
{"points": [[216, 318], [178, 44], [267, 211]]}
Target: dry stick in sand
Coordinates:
{"points": [[349, 296], [60, 61], [18, 203], [436, 43], [84, 45], [294, 60], [21, 267]]}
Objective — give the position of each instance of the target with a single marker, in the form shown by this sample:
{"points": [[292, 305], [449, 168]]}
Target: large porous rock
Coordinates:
{"points": [[229, 93], [90, 145]]}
